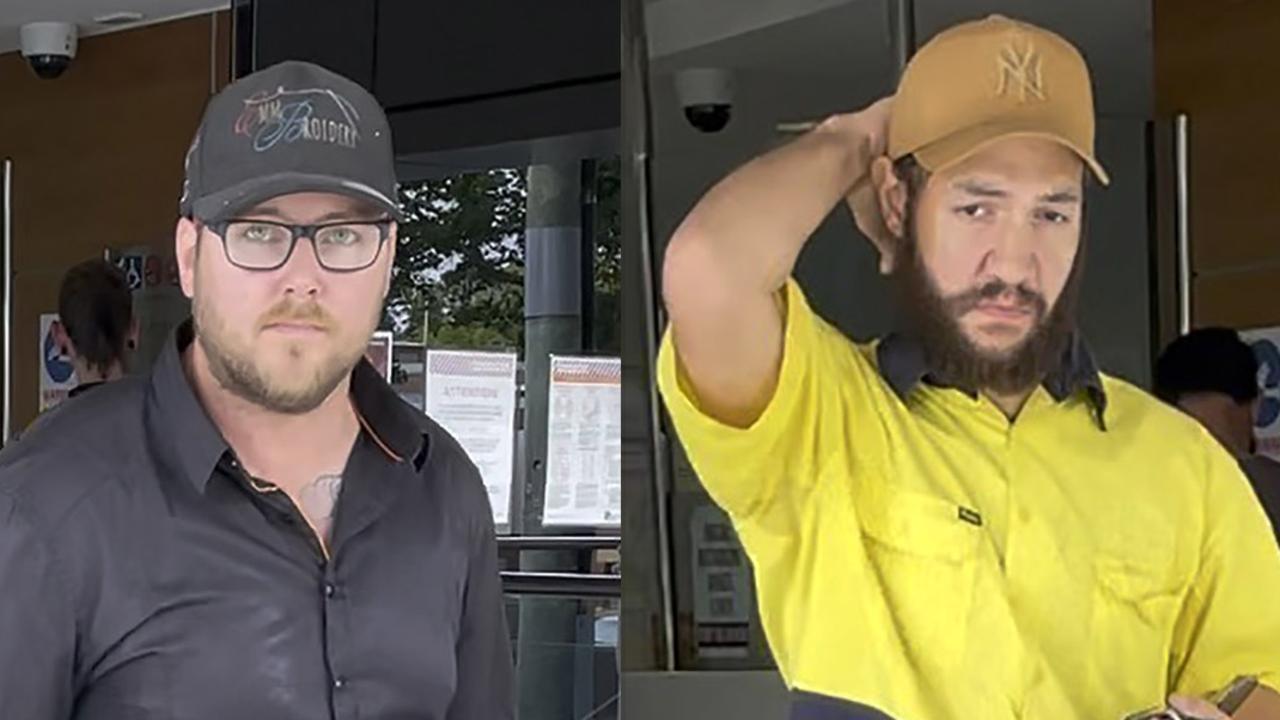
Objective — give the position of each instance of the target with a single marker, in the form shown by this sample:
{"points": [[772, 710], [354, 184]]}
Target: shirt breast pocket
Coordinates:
{"points": [[1137, 595], [922, 554]]}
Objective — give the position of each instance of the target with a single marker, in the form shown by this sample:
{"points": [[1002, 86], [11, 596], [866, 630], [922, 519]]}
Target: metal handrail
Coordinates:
{"points": [[559, 542], [575, 585]]}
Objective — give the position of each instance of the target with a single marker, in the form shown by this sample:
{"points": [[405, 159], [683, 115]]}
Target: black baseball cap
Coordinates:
{"points": [[290, 128], [1212, 359]]}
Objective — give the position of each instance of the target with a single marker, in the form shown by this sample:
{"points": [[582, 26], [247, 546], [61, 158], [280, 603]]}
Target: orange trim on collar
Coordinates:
{"points": [[365, 424]]}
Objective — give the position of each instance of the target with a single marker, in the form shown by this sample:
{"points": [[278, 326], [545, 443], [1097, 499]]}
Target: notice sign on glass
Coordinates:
{"points": [[473, 396], [584, 442]]}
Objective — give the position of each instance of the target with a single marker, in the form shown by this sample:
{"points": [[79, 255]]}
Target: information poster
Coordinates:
{"points": [[473, 396], [584, 442]]}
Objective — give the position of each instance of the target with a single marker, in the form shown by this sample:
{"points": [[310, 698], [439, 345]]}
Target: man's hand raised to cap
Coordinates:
{"points": [[868, 129]]}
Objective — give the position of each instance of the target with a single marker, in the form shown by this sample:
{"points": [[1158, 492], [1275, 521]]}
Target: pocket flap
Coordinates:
{"points": [[919, 524]]}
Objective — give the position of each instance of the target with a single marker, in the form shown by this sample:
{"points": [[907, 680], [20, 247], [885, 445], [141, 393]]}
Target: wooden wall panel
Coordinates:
{"points": [[98, 159], [1241, 300], [1217, 62]]}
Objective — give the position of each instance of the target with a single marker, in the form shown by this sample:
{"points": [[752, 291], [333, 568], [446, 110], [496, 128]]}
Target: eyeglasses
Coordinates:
{"points": [[267, 245]]}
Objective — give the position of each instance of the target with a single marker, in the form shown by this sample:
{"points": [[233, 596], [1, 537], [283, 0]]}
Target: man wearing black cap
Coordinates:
{"points": [[261, 528]]}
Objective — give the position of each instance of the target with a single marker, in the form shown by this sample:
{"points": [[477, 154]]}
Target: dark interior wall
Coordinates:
{"points": [[98, 157], [456, 75]]}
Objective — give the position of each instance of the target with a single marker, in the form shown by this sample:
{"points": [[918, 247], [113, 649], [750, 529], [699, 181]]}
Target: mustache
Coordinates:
{"points": [[300, 313], [1024, 297]]}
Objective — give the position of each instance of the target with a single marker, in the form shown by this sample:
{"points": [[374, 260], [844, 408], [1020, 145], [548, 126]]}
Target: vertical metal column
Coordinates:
{"points": [[636, 207], [553, 324], [1180, 158], [8, 300], [902, 37]]}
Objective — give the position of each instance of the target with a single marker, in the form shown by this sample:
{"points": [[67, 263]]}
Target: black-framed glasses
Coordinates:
{"points": [[341, 246]]}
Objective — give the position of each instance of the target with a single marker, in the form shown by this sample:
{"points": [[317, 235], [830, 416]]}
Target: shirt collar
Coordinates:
{"points": [[179, 426], [84, 388], [902, 363]]}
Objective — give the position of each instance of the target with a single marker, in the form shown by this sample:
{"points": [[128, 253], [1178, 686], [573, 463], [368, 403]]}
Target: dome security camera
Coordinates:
{"points": [[706, 94], [49, 47]]}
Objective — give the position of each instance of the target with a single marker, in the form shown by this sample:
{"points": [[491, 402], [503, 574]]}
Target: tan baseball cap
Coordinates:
{"points": [[984, 80]]}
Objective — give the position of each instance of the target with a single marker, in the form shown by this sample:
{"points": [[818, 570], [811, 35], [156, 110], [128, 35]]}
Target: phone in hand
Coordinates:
{"points": [[1228, 701]]}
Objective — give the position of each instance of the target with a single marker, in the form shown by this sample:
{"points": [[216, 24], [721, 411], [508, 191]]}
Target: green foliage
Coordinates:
{"points": [[460, 260]]}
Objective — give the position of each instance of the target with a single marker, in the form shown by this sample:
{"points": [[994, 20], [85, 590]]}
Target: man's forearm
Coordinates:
{"points": [[754, 223]]}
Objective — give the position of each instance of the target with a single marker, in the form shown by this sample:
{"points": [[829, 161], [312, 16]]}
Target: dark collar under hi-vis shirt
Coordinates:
{"points": [[902, 362], [143, 576]]}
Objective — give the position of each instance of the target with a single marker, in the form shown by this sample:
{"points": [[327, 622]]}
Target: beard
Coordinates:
{"points": [[242, 369], [956, 360]]}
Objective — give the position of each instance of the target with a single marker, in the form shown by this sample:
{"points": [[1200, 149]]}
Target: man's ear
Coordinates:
{"points": [[891, 201], [391, 260], [62, 339], [135, 331], [185, 246], [891, 194]]}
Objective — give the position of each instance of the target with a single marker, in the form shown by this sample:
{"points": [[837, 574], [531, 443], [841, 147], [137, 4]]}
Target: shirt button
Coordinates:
{"points": [[329, 590], [339, 683]]}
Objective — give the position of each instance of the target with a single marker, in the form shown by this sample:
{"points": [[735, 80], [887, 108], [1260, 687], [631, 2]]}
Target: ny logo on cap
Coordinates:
{"points": [[1019, 71]]}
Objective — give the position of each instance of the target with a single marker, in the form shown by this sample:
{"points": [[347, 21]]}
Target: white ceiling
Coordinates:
{"points": [[15, 13]]}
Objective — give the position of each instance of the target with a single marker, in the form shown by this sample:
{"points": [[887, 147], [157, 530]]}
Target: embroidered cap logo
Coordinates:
{"points": [[1019, 71], [287, 116]]}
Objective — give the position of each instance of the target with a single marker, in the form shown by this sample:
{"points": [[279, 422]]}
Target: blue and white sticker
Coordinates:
{"points": [[1266, 347], [57, 374]]}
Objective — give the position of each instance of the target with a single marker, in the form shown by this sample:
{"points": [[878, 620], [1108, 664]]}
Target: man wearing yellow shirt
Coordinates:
{"points": [[965, 519]]}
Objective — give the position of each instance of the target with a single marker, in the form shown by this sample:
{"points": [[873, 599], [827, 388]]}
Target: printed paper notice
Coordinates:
{"points": [[473, 396], [584, 442]]}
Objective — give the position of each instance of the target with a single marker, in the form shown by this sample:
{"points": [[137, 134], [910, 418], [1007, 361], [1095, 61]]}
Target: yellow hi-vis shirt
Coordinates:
{"points": [[934, 560]]}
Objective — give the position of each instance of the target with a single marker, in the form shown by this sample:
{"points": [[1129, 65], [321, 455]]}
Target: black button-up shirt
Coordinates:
{"points": [[144, 577]]}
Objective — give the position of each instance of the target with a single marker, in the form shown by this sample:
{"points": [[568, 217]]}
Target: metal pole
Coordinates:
{"points": [[547, 635], [902, 17], [1180, 155], [559, 542], [588, 264], [8, 299], [636, 61]]}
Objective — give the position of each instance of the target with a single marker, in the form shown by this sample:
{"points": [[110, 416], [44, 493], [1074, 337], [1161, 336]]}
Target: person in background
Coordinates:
{"points": [[97, 326], [1212, 375]]}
